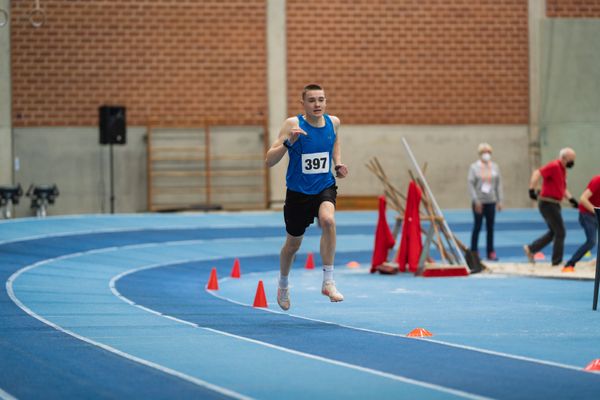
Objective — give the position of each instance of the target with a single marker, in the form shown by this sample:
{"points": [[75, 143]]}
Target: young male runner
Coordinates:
{"points": [[312, 144]]}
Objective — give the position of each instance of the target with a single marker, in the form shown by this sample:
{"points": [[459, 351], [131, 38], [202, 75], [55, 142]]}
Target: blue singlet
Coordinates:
{"points": [[309, 170]]}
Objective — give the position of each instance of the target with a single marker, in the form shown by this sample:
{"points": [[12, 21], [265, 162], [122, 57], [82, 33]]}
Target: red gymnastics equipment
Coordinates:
{"points": [[410, 242], [453, 254], [384, 239]]}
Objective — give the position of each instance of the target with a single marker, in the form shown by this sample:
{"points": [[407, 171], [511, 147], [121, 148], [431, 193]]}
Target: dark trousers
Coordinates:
{"points": [[556, 231], [590, 226], [489, 212]]}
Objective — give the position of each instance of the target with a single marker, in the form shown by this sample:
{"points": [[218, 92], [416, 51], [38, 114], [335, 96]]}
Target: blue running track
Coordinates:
{"points": [[116, 307]]}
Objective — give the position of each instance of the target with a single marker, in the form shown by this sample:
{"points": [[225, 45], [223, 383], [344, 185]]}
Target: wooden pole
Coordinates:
{"points": [[434, 221], [436, 209]]}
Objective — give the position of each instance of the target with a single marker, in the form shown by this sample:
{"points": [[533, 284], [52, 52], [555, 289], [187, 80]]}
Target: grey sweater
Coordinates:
{"points": [[485, 183]]}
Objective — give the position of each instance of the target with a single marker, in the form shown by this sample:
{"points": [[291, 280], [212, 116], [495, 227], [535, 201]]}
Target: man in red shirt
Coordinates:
{"points": [[589, 199], [554, 189]]}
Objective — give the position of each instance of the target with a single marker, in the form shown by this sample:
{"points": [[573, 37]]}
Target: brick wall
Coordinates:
{"points": [[173, 59], [412, 62], [381, 61], [573, 8]]}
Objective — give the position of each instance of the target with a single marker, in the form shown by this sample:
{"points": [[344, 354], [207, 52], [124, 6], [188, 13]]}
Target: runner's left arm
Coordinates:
{"points": [[341, 170]]}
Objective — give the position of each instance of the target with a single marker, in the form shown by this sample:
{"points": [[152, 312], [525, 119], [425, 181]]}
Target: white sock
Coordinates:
{"points": [[283, 281], [327, 273]]}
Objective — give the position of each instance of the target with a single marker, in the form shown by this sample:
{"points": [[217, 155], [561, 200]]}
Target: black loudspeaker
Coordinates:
{"points": [[113, 125]]}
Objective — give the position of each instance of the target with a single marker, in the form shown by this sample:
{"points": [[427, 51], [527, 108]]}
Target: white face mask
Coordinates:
{"points": [[486, 157]]}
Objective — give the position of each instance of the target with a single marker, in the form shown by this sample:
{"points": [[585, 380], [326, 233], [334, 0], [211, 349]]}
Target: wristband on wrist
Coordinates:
{"points": [[533, 194], [287, 143]]}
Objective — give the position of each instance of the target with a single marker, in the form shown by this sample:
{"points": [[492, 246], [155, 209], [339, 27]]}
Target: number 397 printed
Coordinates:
{"points": [[315, 163]]}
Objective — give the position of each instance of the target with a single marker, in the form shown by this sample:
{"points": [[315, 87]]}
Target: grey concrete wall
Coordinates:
{"points": [[6, 170], [536, 14], [570, 95], [448, 152], [72, 158]]}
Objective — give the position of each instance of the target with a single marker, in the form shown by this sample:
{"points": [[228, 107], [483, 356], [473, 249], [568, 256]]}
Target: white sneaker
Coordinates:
{"points": [[529, 254], [283, 298], [328, 289]]}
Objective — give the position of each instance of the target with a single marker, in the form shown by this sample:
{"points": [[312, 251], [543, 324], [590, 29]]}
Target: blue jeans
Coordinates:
{"points": [[489, 212], [590, 226]]}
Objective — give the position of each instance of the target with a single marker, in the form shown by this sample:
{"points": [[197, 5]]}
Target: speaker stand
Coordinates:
{"points": [[112, 180]]}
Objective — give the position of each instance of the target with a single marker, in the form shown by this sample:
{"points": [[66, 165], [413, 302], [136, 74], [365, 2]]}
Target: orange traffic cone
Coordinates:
{"points": [[213, 283], [419, 332], [235, 271], [310, 261], [594, 365], [260, 300]]}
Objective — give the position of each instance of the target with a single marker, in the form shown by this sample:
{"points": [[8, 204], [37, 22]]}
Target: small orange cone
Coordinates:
{"points": [[260, 300], [419, 332], [213, 282], [235, 271], [539, 256], [353, 264], [594, 365], [310, 261]]}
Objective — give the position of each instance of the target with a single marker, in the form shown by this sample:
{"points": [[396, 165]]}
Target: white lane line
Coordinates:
{"points": [[166, 370], [6, 396], [371, 371], [204, 225], [464, 347], [212, 226], [112, 283], [169, 371], [200, 241]]}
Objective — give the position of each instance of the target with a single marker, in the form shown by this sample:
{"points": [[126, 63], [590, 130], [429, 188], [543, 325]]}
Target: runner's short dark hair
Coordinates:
{"points": [[311, 86]]}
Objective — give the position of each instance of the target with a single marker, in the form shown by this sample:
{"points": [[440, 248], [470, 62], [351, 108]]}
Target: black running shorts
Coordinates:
{"points": [[300, 210]]}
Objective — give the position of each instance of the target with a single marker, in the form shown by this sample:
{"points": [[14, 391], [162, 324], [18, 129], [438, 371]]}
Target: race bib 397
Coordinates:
{"points": [[315, 163]]}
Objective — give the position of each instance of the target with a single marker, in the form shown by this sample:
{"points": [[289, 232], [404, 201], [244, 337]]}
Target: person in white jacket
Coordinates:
{"points": [[485, 189]]}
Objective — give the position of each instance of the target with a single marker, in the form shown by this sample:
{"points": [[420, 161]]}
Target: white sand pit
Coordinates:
{"points": [[583, 270]]}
